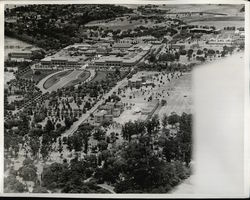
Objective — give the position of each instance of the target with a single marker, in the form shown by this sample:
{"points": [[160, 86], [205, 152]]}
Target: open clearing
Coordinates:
{"points": [[174, 88], [180, 98]]}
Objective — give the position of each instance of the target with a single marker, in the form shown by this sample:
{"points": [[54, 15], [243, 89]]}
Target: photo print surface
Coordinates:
{"points": [[98, 97]]}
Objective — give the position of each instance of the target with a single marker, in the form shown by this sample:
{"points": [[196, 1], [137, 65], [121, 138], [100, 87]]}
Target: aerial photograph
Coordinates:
{"points": [[98, 97]]}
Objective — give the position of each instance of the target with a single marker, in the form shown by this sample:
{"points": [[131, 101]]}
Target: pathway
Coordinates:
{"points": [[85, 116]]}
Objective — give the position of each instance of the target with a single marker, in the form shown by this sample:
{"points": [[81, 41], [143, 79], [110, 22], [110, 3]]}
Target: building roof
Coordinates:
{"points": [[122, 45], [101, 113]]}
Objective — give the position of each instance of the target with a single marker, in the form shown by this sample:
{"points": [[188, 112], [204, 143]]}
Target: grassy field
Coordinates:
{"points": [[54, 79], [219, 24], [180, 99], [100, 75], [82, 77], [29, 74], [121, 23]]}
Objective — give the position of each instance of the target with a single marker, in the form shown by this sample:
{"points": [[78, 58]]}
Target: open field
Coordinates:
{"points": [[29, 74], [174, 88], [219, 24], [180, 98], [132, 115], [54, 79], [232, 9], [8, 76], [123, 23], [81, 78]]}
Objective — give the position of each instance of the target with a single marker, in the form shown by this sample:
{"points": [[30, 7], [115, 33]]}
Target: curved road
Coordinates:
{"points": [[41, 83], [63, 81]]}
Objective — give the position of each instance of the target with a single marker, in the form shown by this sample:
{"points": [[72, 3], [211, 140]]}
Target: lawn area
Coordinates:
{"points": [[82, 77], [37, 77], [100, 75], [54, 79], [122, 23]]}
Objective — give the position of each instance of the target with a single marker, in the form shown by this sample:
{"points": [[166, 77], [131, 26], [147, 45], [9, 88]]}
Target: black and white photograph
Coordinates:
{"points": [[98, 98]]}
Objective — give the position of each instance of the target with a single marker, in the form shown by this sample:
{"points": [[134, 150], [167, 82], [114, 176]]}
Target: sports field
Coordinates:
{"points": [[55, 79], [84, 75]]}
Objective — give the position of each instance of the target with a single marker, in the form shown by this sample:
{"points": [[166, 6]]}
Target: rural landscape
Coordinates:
{"points": [[98, 97]]}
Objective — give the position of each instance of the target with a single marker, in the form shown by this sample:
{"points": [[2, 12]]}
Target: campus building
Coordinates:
{"points": [[59, 62], [108, 111], [21, 54], [135, 53], [221, 41]]}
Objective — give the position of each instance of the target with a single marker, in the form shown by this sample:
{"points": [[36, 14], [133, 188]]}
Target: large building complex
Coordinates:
{"points": [[134, 54], [59, 62]]}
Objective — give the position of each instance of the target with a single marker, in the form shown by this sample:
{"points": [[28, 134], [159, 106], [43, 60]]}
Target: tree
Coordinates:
{"points": [[190, 53], [183, 52], [99, 134], [164, 120], [153, 125], [49, 126], [75, 142], [167, 57], [39, 189], [102, 145], [34, 144], [12, 185], [85, 132], [68, 122], [210, 52], [28, 172], [53, 175], [128, 130], [173, 119], [143, 170], [170, 150], [199, 52]]}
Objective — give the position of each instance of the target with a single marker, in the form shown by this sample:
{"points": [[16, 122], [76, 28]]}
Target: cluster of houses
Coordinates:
{"points": [[108, 111]]}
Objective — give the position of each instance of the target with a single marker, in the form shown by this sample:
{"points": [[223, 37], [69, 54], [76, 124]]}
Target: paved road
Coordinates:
{"points": [[107, 187], [64, 80], [84, 117]]}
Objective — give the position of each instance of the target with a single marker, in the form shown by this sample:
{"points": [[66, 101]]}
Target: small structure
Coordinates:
{"points": [[108, 111], [135, 82]]}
